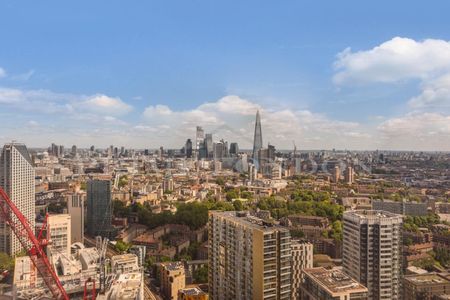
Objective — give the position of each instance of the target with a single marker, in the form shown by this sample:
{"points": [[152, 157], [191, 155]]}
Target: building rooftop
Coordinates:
{"points": [[334, 281], [172, 266], [365, 214], [244, 218], [428, 278], [192, 291]]}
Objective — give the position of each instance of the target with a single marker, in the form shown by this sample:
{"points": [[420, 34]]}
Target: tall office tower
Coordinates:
{"points": [[249, 258], [349, 175], [302, 258], [257, 140], [73, 152], [75, 208], [17, 180], [234, 149], [202, 151], [336, 174], [59, 234], [99, 208], [271, 152], [199, 137], [208, 143], [220, 150], [372, 251], [188, 148]]}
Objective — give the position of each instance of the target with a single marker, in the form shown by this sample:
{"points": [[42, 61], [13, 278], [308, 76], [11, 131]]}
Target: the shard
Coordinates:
{"points": [[257, 140]]}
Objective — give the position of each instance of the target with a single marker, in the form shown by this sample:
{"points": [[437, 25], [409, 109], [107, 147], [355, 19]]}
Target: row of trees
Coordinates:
{"points": [[194, 215]]}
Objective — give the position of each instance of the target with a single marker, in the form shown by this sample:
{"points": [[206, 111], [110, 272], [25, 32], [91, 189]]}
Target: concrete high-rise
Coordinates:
{"points": [[249, 258], [99, 208], [234, 149], [17, 179], [349, 175], [199, 137], [302, 258], [75, 208], [59, 233], [372, 251], [257, 140], [208, 144], [188, 148]]}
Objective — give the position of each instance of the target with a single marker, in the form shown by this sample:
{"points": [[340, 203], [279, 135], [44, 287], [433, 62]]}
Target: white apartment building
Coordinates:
{"points": [[372, 251], [17, 179], [59, 234]]}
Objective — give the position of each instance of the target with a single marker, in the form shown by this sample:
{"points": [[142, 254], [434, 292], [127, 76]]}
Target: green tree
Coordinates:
{"points": [[122, 246], [238, 205], [6, 262], [201, 275], [123, 181], [230, 195]]}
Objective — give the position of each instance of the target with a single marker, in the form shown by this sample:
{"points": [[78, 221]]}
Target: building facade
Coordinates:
{"points": [[302, 258], [75, 208], [17, 180], [249, 258], [99, 208], [372, 251], [426, 286], [257, 140], [59, 233], [172, 279]]}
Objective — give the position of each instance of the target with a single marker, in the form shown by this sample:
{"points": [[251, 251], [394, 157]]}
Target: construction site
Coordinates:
{"points": [[53, 268]]}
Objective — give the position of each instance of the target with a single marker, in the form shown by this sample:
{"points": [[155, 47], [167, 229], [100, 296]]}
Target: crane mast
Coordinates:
{"points": [[19, 224]]}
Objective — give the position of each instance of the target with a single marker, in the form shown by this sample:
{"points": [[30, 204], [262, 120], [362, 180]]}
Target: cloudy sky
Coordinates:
{"points": [[325, 74]]}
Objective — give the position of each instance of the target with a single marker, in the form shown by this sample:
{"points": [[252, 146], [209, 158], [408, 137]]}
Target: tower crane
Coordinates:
{"points": [[11, 215]]}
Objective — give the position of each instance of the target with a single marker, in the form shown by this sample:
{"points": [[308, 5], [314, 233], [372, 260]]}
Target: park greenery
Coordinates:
{"points": [[413, 223], [195, 215], [122, 247], [201, 275], [6, 262]]}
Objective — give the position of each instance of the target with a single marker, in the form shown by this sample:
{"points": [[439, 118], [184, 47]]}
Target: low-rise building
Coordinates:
{"points": [[172, 279], [323, 284], [425, 286], [193, 293]]}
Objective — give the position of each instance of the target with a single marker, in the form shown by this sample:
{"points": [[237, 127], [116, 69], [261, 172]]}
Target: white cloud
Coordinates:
{"points": [[2, 73], [105, 105], [395, 60], [49, 102], [232, 118], [435, 94], [426, 131]]}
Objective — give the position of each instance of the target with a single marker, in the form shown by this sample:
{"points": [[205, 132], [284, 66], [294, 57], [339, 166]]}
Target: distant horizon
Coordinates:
{"points": [[79, 76], [66, 147]]}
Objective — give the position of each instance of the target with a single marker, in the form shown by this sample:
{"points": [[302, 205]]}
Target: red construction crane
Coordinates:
{"points": [[10, 214]]}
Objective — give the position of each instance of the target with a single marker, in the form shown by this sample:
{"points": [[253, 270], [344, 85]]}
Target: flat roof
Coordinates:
{"points": [[334, 281], [244, 218], [428, 278], [372, 213]]}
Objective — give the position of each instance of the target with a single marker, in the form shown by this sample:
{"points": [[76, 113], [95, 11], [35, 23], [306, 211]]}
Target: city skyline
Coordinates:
{"points": [[151, 81]]}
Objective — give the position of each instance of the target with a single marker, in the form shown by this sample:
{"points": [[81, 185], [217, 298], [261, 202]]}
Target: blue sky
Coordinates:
{"points": [[144, 73]]}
